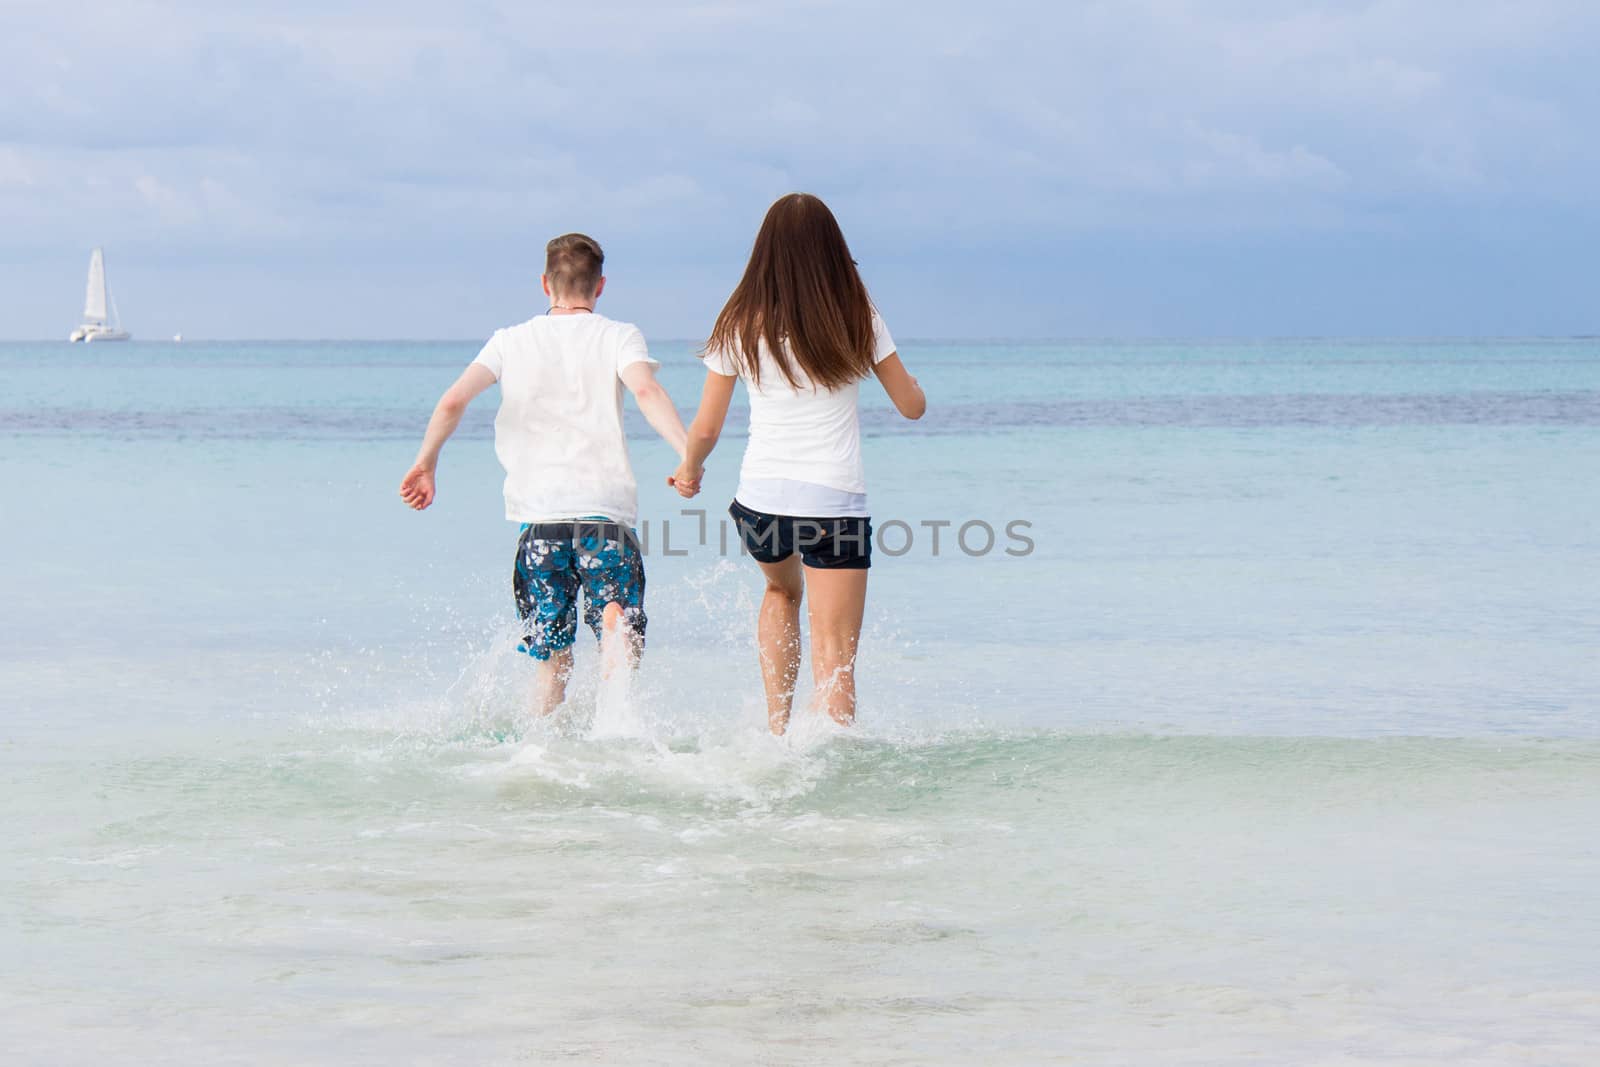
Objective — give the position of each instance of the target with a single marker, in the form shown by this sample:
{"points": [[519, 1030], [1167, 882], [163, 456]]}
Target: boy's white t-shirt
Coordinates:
{"points": [[807, 435], [559, 429]]}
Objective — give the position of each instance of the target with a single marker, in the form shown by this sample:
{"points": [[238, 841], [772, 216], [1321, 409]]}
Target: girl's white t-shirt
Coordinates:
{"points": [[559, 429], [804, 451]]}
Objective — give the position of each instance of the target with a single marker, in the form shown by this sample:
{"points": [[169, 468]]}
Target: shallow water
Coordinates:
{"points": [[1282, 745]]}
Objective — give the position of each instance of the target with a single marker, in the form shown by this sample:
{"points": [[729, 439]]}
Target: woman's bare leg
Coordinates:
{"points": [[778, 631], [838, 600]]}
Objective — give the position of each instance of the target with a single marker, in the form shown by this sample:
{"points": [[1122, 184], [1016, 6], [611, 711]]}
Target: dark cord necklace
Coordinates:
{"points": [[567, 307]]}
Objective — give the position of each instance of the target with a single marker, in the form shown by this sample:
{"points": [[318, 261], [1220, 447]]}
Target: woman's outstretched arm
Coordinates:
{"points": [[902, 388], [703, 432]]}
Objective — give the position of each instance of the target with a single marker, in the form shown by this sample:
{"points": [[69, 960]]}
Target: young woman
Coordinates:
{"points": [[801, 332]]}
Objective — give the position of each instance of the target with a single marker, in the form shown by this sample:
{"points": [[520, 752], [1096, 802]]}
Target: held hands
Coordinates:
{"points": [[416, 488], [686, 480]]}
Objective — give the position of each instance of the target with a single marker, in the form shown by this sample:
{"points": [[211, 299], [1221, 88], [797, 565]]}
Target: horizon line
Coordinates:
{"points": [[1039, 340]]}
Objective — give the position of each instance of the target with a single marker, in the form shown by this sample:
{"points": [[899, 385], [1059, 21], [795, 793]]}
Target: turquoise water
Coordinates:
{"points": [[1282, 744]]}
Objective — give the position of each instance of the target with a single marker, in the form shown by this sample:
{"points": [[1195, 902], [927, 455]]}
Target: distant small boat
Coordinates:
{"points": [[96, 327]]}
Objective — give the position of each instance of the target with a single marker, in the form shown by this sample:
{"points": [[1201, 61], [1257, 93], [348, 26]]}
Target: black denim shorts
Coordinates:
{"points": [[833, 543]]}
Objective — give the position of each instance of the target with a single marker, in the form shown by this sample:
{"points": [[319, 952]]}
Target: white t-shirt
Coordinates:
{"points": [[808, 435], [559, 430]]}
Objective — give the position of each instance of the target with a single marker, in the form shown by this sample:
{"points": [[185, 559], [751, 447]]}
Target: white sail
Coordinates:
{"points": [[94, 303]]}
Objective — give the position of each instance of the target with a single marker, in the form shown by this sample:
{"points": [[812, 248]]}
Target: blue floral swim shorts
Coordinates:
{"points": [[555, 560]]}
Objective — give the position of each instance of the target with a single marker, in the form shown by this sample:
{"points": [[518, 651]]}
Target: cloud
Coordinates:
{"points": [[1232, 159], [414, 130], [15, 168]]}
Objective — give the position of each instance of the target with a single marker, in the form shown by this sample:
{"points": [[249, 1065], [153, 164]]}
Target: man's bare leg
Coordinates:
{"points": [[615, 710], [617, 649], [778, 630], [550, 684]]}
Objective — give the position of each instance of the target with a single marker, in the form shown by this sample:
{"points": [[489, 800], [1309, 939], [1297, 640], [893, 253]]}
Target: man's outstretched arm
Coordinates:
{"points": [[416, 489], [640, 378]]}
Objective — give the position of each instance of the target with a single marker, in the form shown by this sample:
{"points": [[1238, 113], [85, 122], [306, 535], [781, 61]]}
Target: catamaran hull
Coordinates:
{"points": [[86, 336]]}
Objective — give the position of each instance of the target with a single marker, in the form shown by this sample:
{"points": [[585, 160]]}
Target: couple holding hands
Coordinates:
{"points": [[802, 333]]}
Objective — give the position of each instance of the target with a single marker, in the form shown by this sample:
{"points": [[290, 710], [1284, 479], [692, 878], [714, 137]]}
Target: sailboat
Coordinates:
{"points": [[96, 327]]}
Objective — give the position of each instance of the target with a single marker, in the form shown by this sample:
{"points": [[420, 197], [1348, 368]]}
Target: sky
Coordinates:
{"points": [[1146, 168]]}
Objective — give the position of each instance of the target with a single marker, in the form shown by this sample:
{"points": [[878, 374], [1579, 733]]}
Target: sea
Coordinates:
{"points": [[1220, 703]]}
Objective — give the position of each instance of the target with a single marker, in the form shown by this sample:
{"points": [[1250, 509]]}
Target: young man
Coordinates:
{"points": [[568, 480]]}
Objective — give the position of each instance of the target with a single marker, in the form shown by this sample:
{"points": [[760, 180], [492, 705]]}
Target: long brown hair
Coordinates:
{"points": [[802, 295]]}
